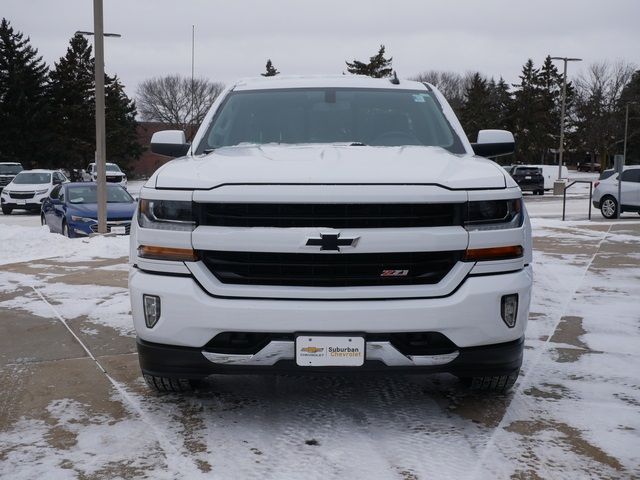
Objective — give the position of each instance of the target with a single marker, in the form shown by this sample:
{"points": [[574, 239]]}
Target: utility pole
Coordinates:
{"points": [[101, 146], [624, 155], [193, 93], [564, 98]]}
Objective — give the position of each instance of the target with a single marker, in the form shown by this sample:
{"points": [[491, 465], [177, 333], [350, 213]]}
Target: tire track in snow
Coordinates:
{"points": [[176, 461], [519, 401]]}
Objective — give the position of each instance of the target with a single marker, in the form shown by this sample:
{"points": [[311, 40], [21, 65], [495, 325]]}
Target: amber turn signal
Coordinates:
{"points": [[493, 253], [167, 253]]}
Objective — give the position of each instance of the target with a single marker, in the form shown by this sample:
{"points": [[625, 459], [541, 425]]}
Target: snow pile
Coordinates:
{"points": [[22, 244]]}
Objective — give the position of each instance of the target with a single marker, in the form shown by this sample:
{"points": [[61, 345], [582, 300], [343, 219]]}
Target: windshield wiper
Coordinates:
{"points": [[357, 144]]}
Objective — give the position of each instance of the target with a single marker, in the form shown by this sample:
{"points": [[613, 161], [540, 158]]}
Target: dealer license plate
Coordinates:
{"points": [[119, 230], [326, 351], [21, 202]]}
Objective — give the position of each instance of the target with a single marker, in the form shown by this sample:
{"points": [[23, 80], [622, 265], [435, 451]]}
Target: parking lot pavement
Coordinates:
{"points": [[73, 405]]}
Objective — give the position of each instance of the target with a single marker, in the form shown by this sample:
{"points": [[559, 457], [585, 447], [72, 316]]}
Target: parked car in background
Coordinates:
{"points": [[8, 171], [586, 167], [114, 174], [28, 190], [605, 194], [529, 179], [71, 209]]}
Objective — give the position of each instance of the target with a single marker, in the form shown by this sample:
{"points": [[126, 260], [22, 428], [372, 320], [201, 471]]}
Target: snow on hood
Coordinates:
{"points": [[329, 164]]}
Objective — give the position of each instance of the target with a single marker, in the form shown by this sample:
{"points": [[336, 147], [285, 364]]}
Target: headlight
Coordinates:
{"points": [[40, 192], [82, 219], [166, 215], [494, 214]]}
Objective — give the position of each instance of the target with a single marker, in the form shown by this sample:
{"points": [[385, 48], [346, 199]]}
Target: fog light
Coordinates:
{"points": [[151, 309], [509, 309]]}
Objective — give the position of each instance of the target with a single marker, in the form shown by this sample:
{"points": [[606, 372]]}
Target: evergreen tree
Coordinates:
{"points": [[23, 77], [72, 104], [475, 113], [527, 112], [500, 104], [378, 66], [550, 83], [120, 124], [271, 71]]}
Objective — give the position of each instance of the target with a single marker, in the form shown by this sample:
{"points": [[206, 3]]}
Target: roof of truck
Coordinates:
{"points": [[324, 81]]}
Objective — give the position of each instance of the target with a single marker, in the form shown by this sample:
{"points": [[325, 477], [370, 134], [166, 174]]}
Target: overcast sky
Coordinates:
{"points": [[235, 37]]}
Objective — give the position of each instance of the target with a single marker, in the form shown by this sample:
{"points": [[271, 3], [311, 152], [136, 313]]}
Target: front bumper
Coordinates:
{"points": [[469, 317], [33, 204], [192, 363]]}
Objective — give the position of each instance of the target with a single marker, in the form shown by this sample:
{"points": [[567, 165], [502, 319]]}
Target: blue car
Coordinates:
{"points": [[72, 209]]}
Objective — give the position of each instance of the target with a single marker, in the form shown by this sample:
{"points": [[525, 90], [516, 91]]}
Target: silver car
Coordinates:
{"points": [[605, 195]]}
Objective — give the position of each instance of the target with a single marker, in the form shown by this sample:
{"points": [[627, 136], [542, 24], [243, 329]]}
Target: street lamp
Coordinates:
{"points": [[101, 148], [564, 97], [626, 129]]}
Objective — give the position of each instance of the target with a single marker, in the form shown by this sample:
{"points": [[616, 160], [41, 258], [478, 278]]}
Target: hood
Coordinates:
{"points": [[114, 210], [330, 164], [27, 187]]}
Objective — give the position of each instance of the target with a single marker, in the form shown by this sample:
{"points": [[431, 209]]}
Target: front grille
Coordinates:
{"points": [[5, 181], [127, 227], [351, 215], [114, 179], [330, 270], [21, 195]]}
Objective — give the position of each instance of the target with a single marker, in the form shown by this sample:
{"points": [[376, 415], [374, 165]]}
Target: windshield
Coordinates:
{"points": [[378, 117], [112, 167], [30, 178], [88, 194], [10, 169]]}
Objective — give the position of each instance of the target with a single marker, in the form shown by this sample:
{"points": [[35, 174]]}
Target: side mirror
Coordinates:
{"points": [[57, 181], [494, 143], [170, 143]]}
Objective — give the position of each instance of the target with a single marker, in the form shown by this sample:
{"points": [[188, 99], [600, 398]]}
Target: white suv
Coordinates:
{"points": [[325, 224], [28, 190], [605, 194], [113, 174]]}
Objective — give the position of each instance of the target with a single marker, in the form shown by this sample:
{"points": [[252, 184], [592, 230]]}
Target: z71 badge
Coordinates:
{"points": [[394, 273]]}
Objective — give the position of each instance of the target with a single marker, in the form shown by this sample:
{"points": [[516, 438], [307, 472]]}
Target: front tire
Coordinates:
{"points": [[7, 210], [168, 385], [65, 229], [494, 384], [609, 207]]}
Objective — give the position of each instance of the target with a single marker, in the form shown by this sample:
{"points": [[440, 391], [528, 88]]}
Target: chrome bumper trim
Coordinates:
{"points": [[285, 350]]}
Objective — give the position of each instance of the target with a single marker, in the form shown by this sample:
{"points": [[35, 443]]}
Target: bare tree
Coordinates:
{"points": [[599, 119], [177, 101], [452, 85]]}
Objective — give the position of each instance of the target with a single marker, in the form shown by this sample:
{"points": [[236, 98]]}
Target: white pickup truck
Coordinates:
{"points": [[326, 224]]}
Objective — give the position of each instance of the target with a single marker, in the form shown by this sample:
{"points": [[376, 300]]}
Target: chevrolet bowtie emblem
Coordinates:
{"points": [[312, 349], [331, 241]]}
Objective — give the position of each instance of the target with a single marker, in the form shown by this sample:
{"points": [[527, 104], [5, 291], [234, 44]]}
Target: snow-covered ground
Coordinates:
{"points": [[72, 403]]}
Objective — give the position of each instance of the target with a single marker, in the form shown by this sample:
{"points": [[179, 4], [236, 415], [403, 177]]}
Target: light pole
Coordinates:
{"points": [[564, 98], [101, 148], [626, 130]]}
